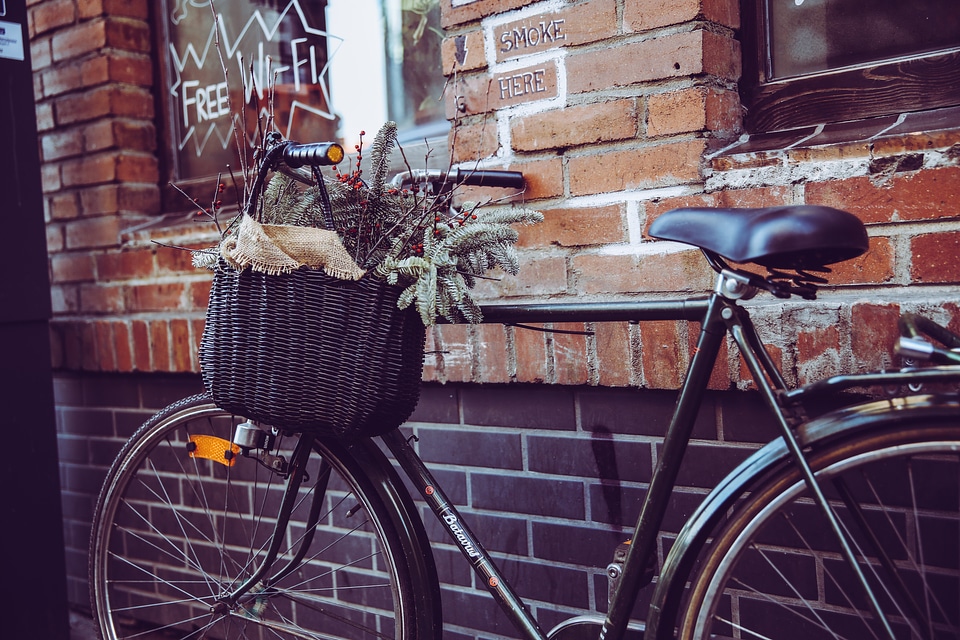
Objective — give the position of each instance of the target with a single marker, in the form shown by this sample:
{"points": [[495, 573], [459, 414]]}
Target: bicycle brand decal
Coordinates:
{"points": [[461, 536]]}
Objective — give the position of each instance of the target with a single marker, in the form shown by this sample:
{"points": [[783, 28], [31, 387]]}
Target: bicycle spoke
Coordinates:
{"points": [[793, 610], [749, 632]]}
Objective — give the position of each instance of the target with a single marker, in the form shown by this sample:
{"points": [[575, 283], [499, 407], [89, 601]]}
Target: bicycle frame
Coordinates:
{"points": [[717, 315]]}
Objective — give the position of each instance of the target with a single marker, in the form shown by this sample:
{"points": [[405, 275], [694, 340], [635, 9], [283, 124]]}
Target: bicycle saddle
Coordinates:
{"points": [[788, 237]]}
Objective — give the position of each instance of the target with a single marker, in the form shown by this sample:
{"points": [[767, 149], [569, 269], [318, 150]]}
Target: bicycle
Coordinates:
{"points": [[209, 525]]}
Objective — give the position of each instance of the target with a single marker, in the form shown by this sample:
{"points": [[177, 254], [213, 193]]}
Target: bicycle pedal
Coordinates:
{"points": [[615, 570]]}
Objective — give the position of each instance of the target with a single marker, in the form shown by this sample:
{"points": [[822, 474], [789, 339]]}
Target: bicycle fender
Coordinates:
{"points": [[407, 520], [842, 422]]}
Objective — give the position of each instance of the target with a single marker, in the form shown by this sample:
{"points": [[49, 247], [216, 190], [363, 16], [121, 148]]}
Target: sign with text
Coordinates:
{"points": [[11, 40], [237, 68], [524, 85], [529, 36]]}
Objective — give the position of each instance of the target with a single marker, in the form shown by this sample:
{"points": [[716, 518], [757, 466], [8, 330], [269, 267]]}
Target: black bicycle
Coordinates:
{"points": [[845, 526]]}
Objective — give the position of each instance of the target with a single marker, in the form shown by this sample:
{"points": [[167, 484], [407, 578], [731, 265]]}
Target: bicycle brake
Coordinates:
{"points": [[615, 570]]}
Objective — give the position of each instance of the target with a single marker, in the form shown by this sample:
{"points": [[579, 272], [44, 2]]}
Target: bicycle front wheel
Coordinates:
{"points": [[775, 569], [178, 530]]}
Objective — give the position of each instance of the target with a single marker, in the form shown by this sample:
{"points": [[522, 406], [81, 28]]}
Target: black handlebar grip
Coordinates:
{"points": [[312, 153], [488, 178]]}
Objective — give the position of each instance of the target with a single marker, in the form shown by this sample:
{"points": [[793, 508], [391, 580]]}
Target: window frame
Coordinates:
{"points": [[883, 88], [178, 193]]}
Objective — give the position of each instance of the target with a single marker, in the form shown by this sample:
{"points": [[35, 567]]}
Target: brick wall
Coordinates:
{"points": [[616, 110], [120, 302], [531, 466], [620, 110]]}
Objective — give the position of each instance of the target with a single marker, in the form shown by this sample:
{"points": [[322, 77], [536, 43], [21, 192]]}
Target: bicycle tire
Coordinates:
{"points": [[173, 533], [774, 570]]}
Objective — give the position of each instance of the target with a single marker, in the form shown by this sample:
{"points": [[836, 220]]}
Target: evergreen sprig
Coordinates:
{"points": [[411, 238], [438, 281]]}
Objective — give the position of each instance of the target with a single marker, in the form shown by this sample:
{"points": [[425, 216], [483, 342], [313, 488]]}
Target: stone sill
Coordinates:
{"points": [[873, 137], [173, 228]]}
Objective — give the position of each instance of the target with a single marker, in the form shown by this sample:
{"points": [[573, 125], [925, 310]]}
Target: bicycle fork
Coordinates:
{"points": [[256, 583]]}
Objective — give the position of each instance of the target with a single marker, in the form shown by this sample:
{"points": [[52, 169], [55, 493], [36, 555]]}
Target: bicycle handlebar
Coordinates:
{"points": [[312, 153], [472, 177], [295, 155]]}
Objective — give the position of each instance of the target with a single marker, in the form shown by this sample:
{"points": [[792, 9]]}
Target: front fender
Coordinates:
{"points": [[409, 525], [840, 423]]}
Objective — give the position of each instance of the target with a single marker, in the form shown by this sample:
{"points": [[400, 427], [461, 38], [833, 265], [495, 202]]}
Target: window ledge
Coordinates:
{"points": [[174, 230], [912, 131]]}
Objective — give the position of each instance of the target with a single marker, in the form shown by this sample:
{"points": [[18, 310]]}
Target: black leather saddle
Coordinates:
{"points": [[787, 237]]}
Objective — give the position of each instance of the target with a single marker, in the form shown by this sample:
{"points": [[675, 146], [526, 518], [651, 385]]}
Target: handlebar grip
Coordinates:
{"points": [[312, 153], [489, 178]]}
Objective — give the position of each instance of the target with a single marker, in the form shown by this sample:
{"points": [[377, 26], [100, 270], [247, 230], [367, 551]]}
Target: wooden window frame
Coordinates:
{"points": [[912, 84]]}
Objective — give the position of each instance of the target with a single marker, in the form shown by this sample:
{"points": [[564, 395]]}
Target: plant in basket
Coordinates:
{"points": [[411, 238], [323, 286]]}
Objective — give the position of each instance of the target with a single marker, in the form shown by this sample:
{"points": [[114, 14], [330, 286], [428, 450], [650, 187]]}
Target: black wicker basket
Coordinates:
{"points": [[306, 351]]}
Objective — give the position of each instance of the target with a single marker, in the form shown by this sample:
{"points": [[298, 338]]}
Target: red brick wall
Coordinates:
{"points": [[637, 113], [616, 110], [121, 302]]}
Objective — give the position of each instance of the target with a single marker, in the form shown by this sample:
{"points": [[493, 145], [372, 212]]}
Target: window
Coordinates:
{"points": [[336, 67], [814, 61], [387, 66]]}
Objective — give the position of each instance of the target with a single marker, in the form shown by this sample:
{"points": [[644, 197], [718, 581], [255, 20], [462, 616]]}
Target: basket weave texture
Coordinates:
{"points": [[306, 351]]}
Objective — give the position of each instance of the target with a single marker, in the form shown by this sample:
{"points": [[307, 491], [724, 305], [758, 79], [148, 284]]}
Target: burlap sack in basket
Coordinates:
{"points": [[291, 345]]}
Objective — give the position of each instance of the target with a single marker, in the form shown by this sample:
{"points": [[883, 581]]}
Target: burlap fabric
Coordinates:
{"points": [[275, 249]]}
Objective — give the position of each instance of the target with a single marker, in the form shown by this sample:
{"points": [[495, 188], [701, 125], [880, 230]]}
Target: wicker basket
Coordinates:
{"points": [[306, 351]]}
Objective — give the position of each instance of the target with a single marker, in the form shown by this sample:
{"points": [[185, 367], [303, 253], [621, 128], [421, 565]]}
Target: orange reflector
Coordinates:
{"points": [[213, 448]]}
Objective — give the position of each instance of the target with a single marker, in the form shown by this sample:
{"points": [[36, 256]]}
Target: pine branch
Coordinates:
{"points": [[412, 239], [383, 144]]}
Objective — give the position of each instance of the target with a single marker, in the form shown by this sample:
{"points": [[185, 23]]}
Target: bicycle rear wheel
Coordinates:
{"points": [[174, 533], [774, 569]]}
